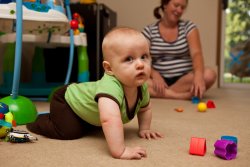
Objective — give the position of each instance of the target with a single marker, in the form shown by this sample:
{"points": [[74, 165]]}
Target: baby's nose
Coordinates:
{"points": [[139, 63]]}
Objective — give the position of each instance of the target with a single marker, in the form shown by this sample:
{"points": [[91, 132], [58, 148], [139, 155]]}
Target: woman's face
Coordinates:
{"points": [[174, 10]]}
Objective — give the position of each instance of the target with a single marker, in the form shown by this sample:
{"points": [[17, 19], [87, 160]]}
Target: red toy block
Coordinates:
{"points": [[210, 104], [198, 146]]}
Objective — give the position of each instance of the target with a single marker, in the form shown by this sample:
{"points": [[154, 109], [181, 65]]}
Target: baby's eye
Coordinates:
{"points": [[145, 56], [129, 59]]}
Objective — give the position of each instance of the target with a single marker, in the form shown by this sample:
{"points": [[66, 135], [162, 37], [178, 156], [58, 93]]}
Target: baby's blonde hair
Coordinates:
{"points": [[115, 38]]}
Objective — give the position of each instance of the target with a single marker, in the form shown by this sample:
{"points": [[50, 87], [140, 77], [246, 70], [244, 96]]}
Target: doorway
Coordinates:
{"points": [[235, 44]]}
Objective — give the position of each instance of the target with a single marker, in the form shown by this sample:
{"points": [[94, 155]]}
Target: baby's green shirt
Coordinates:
{"points": [[83, 98]]}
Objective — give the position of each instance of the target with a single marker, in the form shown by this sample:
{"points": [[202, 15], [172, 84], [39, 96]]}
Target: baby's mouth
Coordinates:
{"points": [[141, 74]]}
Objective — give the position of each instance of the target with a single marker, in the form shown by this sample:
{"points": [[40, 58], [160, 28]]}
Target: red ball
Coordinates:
{"points": [[75, 16], [74, 24]]}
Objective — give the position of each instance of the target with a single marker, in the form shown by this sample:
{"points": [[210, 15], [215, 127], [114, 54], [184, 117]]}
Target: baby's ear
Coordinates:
{"points": [[107, 67]]}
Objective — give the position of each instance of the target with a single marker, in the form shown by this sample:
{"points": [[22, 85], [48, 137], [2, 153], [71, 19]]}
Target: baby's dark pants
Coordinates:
{"points": [[62, 122]]}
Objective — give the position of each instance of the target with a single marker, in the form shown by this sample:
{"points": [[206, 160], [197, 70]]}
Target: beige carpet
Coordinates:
{"points": [[230, 117]]}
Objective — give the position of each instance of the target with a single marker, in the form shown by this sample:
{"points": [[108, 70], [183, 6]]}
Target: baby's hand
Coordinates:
{"points": [[133, 153], [148, 134]]}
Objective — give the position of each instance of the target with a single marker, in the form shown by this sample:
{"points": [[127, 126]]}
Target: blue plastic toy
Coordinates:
{"points": [[230, 138], [6, 120], [22, 108], [195, 100]]}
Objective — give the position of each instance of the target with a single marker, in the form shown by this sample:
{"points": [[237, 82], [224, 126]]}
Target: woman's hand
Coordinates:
{"points": [[159, 84], [199, 87]]}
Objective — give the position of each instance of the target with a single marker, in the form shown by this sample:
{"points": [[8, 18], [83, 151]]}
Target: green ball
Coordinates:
{"points": [[22, 108]]}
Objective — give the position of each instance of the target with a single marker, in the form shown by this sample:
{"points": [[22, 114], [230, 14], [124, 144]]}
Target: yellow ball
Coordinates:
{"points": [[202, 107]]}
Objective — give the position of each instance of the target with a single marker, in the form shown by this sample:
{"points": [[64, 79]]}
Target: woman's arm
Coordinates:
{"points": [[158, 82], [195, 48]]}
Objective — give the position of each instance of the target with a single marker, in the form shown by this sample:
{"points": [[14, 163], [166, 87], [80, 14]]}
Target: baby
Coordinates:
{"points": [[110, 102]]}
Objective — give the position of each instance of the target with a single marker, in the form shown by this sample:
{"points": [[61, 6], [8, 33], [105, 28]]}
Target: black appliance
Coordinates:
{"points": [[98, 20]]}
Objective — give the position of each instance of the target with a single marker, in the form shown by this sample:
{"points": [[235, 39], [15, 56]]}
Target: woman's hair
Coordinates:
{"points": [[158, 8], [161, 7]]}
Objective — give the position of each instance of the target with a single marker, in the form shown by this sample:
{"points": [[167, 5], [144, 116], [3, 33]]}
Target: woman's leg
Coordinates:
{"points": [[181, 88], [168, 93], [210, 77], [185, 82]]}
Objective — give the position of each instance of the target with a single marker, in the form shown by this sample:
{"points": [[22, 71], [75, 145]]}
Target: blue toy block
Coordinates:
{"points": [[230, 138]]}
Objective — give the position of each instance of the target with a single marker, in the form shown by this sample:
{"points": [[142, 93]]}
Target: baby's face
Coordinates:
{"points": [[131, 63]]}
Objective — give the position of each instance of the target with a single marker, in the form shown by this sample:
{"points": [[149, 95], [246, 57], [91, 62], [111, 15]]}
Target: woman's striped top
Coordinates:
{"points": [[171, 59]]}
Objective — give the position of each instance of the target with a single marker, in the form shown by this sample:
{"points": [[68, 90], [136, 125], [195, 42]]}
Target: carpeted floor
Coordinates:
{"points": [[230, 117]]}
